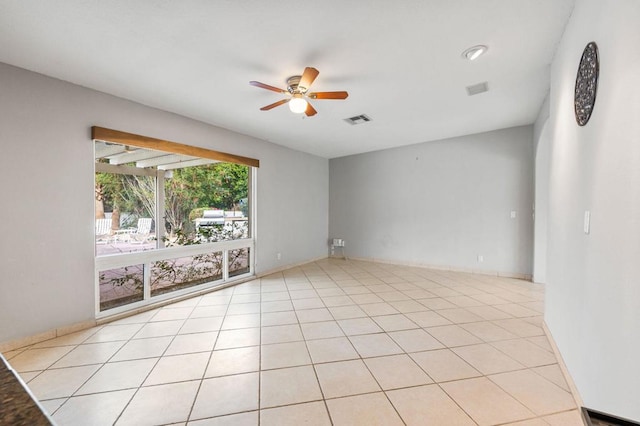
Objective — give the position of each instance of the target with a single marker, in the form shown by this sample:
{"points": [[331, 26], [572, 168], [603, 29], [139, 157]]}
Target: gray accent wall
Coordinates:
{"points": [[593, 280], [47, 217], [441, 203]]}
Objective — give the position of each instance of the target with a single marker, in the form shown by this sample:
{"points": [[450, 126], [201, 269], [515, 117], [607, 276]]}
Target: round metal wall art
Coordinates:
{"points": [[586, 84]]}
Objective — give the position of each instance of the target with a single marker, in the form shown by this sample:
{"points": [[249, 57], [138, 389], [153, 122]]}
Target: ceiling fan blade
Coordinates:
{"points": [[275, 104], [310, 111], [328, 95], [266, 86], [308, 77]]}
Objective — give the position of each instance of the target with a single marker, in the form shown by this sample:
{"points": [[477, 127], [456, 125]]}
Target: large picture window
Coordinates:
{"points": [[167, 222]]}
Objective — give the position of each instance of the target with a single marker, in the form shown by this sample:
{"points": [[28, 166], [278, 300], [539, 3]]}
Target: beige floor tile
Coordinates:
{"points": [[308, 414], [279, 318], [395, 322], [347, 312], [228, 339], [363, 298], [51, 405], [459, 315], [332, 290], [140, 318], [234, 361], [415, 340], [345, 378], [169, 313], [143, 348], [209, 311], [93, 353], [406, 306], [568, 418], [213, 299], [517, 310], [112, 333], [243, 308], [311, 303], [538, 394], [191, 343], [241, 419], [159, 329], [428, 405], [443, 365], [444, 292], [436, 303], [314, 315], [418, 293], [463, 301], [155, 405], [118, 375], [485, 402], [281, 334], [520, 327], [541, 341], [489, 299], [488, 331], [453, 335], [363, 410], [487, 359], [284, 355], [178, 368], [529, 422], [245, 298], [357, 326], [38, 359], [376, 309], [427, 319], [321, 330], [226, 395], [28, 376], [370, 345], [274, 296], [93, 410], [201, 325], [553, 373], [333, 349], [233, 322], [301, 386], [525, 352], [332, 301], [396, 371], [61, 382], [276, 306], [391, 296], [488, 313], [303, 294]]}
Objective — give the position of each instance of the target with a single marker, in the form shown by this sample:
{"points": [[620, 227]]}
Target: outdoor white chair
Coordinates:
{"points": [[103, 231], [143, 232]]}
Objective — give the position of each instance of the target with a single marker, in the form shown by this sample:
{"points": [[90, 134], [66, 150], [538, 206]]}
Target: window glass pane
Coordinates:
{"points": [[125, 210], [238, 262], [206, 203], [178, 273], [120, 286]]}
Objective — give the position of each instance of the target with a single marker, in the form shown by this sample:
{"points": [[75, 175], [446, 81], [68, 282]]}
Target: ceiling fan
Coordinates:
{"points": [[298, 91]]}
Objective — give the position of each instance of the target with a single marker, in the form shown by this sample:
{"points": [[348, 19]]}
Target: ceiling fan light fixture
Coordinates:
{"points": [[474, 52], [298, 105]]}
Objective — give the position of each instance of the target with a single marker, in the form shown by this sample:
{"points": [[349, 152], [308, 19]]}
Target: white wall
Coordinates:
{"points": [[593, 284], [47, 218], [439, 203], [543, 148]]}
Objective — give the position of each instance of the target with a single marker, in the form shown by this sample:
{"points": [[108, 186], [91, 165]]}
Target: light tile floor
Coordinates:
{"points": [[329, 343]]}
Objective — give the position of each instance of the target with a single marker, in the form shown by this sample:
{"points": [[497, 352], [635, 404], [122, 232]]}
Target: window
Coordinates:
{"points": [[167, 223]]}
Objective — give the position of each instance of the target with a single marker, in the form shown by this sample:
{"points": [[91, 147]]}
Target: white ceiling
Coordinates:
{"points": [[400, 61]]}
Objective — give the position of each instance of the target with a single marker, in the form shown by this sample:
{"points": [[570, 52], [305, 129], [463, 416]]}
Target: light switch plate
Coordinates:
{"points": [[513, 214]]}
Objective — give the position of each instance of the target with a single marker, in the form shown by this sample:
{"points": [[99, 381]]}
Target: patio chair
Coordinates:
{"points": [[143, 232], [103, 231]]}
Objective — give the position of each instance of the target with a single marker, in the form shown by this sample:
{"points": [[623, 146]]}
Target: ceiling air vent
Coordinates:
{"points": [[358, 119], [477, 88]]}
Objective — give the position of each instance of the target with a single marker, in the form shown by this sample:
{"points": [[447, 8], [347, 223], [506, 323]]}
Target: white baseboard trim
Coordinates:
{"points": [[563, 366], [289, 266], [46, 335], [442, 267]]}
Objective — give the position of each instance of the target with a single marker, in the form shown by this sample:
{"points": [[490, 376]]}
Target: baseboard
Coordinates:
{"points": [[46, 335], [563, 367], [288, 266], [502, 274]]}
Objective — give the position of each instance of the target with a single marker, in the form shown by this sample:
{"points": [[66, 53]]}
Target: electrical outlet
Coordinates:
{"points": [[480, 258], [278, 256]]}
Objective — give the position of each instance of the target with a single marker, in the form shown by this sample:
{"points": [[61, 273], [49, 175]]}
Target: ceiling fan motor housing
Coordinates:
{"points": [[292, 85]]}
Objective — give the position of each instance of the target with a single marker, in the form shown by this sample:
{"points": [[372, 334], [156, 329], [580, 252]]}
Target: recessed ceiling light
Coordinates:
{"points": [[474, 52]]}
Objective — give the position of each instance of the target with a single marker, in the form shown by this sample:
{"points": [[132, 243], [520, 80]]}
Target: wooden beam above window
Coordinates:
{"points": [[124, 138]]}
